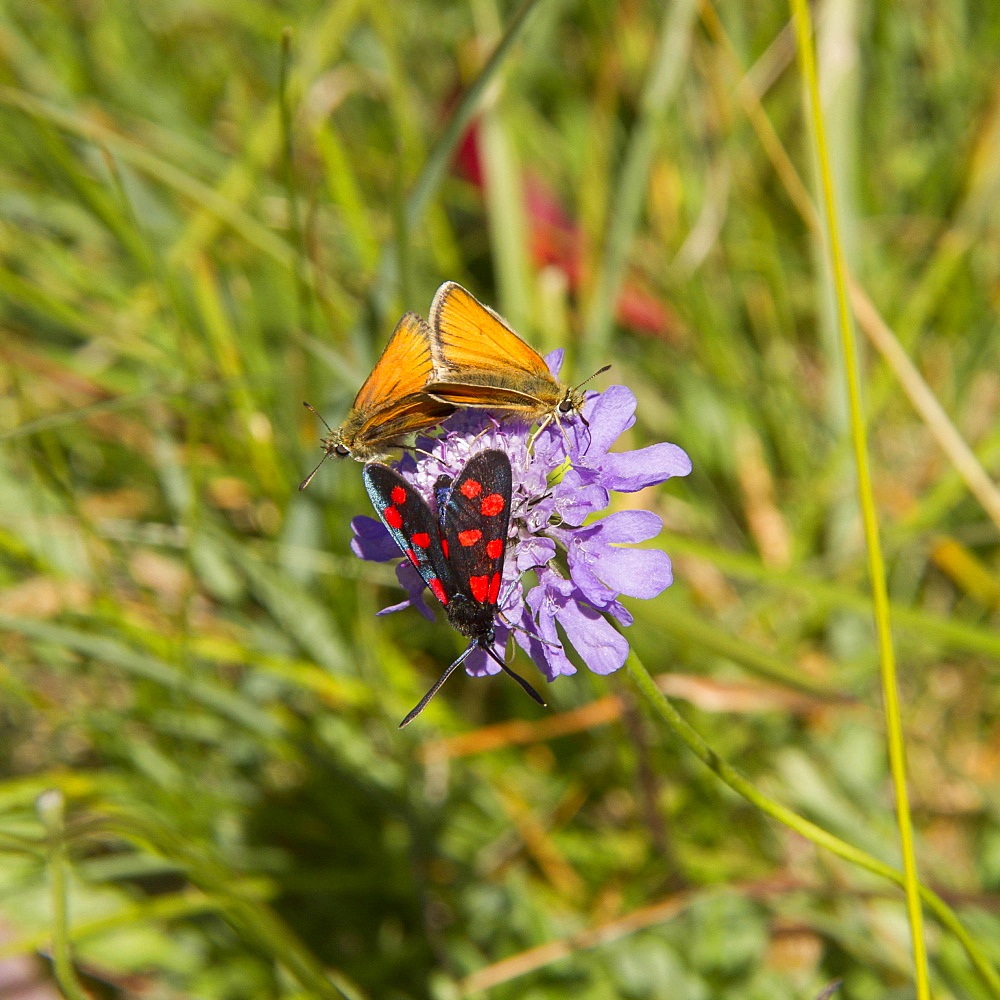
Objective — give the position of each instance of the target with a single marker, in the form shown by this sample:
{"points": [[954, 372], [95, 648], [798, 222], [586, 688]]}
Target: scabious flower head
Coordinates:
{"points": [[580, 567]]}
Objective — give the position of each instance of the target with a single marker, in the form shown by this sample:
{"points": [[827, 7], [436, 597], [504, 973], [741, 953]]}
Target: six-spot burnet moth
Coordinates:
{"points": [[460, 552]]}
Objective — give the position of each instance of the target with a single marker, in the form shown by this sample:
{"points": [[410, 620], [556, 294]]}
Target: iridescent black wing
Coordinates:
{"points": [[476, 516], [414, 528], [459, 552]]}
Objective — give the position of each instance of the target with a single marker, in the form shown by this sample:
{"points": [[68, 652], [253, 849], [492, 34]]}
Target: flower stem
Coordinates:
{"points": [[822, 838], [876, 566]]}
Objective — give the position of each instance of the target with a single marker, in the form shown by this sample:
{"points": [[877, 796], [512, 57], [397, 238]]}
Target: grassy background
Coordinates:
{"points": [[197, 233]]}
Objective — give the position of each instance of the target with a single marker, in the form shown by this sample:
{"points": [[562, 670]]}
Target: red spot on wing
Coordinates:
{"points": [[494, 548], [412, 556], [444, 546], [421, 539], [398, 494], [392, 516], [472, 488], [469, 537], [435, 585], [492, 504], [494, 588], [480, 587]]}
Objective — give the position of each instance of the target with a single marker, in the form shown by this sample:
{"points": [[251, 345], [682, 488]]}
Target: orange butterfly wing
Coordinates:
{"points": [[392, 403], [403, 368], [480, 361]]}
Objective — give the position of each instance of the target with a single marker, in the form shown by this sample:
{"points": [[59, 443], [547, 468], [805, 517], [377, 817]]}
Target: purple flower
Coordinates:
{"points": [[580, 565]]}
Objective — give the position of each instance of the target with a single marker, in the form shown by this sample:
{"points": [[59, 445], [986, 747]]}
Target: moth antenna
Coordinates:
{"points": [[520, 628], [318, 414], [305, 482], [600, 371], [422, 704], [526, 687]]}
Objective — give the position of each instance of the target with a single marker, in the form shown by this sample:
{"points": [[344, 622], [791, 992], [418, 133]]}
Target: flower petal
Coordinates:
{"points": [[581, 568], [608, 414], [554, 359], [542, 601], [624, 526], [620, 613], [629, 471], [372, 540], [578, 495], [532, 552], [480, 665], [641, 573], [413, 583], [599, 645]]}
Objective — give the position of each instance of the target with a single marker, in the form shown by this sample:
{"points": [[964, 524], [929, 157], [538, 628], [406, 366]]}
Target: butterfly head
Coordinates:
{"points": [[338, 444], [334, 445], [572, 402]]}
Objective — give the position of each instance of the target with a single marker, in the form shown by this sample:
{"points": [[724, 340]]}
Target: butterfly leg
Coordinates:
{"points": [[496, 426], [562, 430], [541, 427], [534, 635], [437, 686], [527, 688]]}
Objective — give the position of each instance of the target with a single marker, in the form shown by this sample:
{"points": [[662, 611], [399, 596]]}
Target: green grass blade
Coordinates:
{"points": [[436, 164], [947, 631], [630, 188], [151, 668], [876, 566], [51, 810]]}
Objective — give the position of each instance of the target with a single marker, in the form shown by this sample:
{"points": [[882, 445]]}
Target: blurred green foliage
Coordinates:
{"points": [[189, 248]]}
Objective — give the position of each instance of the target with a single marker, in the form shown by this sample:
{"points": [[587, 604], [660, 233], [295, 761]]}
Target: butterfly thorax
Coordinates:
{"points": [[471, 619]]}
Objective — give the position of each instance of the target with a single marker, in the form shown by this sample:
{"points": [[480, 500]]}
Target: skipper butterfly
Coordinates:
{"points": [[479, 361], [391, 403]]}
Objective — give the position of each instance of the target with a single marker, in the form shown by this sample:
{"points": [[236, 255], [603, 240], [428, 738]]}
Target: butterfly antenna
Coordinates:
{"points": [[600, 371], [305, 482], [528, 689], [437, 686], [318, 414], [520, 628]]}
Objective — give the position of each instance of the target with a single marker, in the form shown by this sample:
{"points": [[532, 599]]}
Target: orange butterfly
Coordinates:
{"points": [[479, 361], [391, 403]]}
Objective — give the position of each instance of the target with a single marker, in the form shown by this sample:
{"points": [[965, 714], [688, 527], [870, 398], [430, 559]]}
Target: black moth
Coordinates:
{"points": [[459, 553]]}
